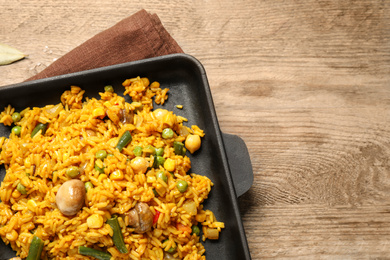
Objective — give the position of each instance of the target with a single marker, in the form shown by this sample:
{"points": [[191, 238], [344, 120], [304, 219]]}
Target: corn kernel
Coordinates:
{"points": [[16, 194], [99, 163], [98, 112], [95, 221], [200, 217], [179, 106], [116, 175], [65, 156], [169, 165], [102, 177], [150, 179], [12, 236], [31, 205], [107, 104], [27, 162]]}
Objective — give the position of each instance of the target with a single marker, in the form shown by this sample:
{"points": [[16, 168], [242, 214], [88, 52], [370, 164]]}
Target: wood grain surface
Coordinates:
{"points": [[305, 83]]}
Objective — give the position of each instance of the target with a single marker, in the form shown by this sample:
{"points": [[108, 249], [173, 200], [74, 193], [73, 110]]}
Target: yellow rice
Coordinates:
{"points": [[77, 129]]}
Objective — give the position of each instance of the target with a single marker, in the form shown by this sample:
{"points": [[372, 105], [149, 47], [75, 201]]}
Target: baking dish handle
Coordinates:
{"points": [[239, 163]]}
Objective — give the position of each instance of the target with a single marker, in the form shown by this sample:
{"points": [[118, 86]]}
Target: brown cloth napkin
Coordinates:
{"points": [[137, 37]]}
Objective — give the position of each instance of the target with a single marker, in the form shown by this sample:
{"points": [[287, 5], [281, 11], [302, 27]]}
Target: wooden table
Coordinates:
{"points": [[305, 83]]}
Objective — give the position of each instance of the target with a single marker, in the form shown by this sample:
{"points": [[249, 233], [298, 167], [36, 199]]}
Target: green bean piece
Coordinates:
{"points": [[161, 175], [117, 236], [195, 230], [16, 117], [155, 193], [167, 133], [16, 130], [124, 140], [83, 250], [158, 160], [101, 154], [20, 187], [73, 172], [160, 151], [179, 148], [137, 151], [40, 127], [182, 186], [98, 169], [88, 185], [109, 88], [36, 247]]}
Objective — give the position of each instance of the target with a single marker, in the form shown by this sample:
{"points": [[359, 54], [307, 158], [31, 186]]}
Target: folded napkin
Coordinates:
{"points": [[137, 37]]}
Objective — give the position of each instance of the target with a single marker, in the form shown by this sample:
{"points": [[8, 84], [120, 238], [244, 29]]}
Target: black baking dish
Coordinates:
{"points": [[223, 158]]}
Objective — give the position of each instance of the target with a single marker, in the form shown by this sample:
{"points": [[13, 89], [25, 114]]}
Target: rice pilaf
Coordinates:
{"points": [[132, 162]]}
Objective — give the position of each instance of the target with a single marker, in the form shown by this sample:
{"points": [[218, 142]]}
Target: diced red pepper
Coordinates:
{"points": [[155, 219]]}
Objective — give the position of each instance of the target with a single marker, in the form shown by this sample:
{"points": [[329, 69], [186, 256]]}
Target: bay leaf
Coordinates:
{"points": [[9, 54]]}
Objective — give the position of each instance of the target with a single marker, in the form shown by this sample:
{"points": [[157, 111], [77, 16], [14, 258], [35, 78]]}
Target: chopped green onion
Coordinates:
{"points": [[179, 148], [137, 151], [160, 151], [158, 161], [98, 169], [109, 88]]}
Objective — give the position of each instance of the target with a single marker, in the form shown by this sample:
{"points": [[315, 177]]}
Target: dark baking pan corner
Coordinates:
{"points": [[188, 84]]}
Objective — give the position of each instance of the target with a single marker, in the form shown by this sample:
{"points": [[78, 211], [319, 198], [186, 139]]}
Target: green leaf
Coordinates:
{"points": [[9, 54]]}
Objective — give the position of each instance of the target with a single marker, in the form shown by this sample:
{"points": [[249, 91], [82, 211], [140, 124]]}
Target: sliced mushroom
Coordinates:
{"points": [[70, 197], [140, 218], [126, 117]]}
